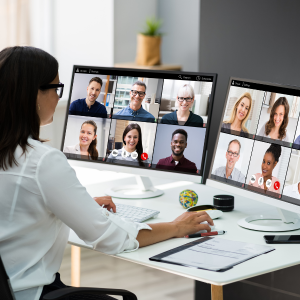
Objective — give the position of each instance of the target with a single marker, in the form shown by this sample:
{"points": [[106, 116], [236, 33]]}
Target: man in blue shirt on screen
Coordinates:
{"points": [[89, 106], [134, 111]]}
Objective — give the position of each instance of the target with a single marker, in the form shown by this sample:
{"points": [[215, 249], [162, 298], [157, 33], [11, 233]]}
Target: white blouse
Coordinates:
{"points": [[40, 199]]}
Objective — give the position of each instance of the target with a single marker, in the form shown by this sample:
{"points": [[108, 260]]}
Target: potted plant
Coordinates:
{"points": [[148, 43]]}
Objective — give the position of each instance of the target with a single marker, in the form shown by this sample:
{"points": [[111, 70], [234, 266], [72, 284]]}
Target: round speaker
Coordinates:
{"points": [[224, 202]]}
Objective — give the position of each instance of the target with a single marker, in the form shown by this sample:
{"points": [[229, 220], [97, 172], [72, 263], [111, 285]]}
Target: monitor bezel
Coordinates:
{"points": [[280, 203], [197, 178]]}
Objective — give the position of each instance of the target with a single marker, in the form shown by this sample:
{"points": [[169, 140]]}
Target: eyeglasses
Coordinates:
{"points": [[58, 87], [234, 154], [134, 93], [188, 99]]}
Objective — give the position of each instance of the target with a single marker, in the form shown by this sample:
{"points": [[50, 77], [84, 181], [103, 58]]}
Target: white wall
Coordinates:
{"points": [[181, 28], [129, 19], [181, 25], [75, 32]]}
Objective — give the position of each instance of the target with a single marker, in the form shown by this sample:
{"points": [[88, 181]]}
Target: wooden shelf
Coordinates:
{"points": [[133, 65]]}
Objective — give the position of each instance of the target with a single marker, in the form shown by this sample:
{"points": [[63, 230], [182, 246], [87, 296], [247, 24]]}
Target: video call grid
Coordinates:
{"points": [[292, 91], [256, 138], [183, 77]]}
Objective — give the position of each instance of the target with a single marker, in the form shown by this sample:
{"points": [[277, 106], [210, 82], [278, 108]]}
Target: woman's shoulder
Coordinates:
{"points": [[226, 125], [169, 117], [75, 149]]}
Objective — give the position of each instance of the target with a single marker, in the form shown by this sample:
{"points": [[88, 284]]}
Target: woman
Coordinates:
{"points": [[239, 115], [183, 116], [133, 148], [43, 198], [275, 128], [87, 146], [269, 162]]}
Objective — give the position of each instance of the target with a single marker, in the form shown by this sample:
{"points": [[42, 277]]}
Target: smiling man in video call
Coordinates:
{"points": [[134, 111], [232, 156], [89, 106], [177, 161]]}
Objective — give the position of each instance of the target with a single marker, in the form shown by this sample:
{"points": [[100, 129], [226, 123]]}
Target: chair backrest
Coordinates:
{"points": [[5, 287]]}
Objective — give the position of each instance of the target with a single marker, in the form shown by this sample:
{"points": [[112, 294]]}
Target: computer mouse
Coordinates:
{"points": [[215, 213], [212, 227]]}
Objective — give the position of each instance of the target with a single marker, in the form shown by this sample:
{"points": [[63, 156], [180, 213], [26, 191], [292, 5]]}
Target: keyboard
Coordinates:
{"points": [[136, 214]]}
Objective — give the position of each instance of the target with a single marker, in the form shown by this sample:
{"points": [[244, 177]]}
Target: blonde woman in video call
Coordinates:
{"points": [[275, 128], [239, 114], [87, 146], [183, 116]]}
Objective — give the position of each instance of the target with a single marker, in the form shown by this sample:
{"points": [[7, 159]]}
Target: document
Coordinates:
{"points": [[212, 253]]}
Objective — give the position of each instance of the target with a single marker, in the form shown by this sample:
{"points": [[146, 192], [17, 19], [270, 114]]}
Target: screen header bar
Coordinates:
{"points": [[192, 76], [294, 91]]}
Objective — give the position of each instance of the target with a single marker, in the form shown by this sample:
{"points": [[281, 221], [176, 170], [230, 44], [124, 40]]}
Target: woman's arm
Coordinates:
{"points": [[185, 224]]}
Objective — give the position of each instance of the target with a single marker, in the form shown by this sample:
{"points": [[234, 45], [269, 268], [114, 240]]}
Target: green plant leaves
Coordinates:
{"points": [[152, 26]]}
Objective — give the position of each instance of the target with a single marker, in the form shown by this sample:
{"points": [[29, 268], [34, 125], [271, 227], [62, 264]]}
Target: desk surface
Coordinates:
{"points": [[284, 256]]}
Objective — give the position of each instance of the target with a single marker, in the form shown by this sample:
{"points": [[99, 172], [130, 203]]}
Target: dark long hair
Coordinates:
{"points": [[139, 146], [22, 71], [270, 124], [93, 152]]}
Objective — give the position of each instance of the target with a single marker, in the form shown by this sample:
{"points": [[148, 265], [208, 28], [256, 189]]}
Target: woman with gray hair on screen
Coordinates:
{"points": [[183, 116]]}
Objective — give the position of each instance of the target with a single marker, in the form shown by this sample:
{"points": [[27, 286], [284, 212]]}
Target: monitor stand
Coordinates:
{"points": [[144, 189], [286, 221]]}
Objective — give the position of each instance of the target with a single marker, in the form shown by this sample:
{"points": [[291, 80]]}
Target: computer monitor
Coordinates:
{"points": [[143, 122], [256, 153]]}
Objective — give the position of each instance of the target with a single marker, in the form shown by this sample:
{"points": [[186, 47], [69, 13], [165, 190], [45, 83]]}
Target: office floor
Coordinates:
{"points": [[99, 270]]}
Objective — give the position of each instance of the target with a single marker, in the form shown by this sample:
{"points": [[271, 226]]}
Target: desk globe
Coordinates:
{"points": [[188, 198]]}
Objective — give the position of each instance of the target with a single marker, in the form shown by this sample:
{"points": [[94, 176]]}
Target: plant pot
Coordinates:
{"points": [[148, 50]]}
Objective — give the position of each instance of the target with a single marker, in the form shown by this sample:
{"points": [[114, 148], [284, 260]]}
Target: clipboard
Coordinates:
{"points": [[162, 256]]}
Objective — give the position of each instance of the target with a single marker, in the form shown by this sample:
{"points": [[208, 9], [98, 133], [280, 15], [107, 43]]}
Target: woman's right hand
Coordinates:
{"points": [[190, 223]]}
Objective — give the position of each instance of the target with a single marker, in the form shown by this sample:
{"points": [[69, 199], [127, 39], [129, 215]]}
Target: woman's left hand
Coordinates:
{"points": [[107, 202]]}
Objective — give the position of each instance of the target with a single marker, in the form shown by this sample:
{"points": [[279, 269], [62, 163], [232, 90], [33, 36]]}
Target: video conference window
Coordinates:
{"points": [[131, 143], [137, 98], [242, 111], [291, 191], [92, 95], [178, 148], [268, 167], [278, 118], [185, 103], [232, 159], [86, 137]]}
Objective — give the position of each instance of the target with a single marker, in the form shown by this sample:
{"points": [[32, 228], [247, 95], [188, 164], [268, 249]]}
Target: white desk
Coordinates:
{"points": [[284, 256]]}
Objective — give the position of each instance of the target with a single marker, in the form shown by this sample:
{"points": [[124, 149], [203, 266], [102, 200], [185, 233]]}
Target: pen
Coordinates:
{"points": [[205, 234]]}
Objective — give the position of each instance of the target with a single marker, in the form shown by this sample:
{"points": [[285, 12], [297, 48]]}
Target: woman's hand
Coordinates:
{"points": [[107, 202], [189, 223]]}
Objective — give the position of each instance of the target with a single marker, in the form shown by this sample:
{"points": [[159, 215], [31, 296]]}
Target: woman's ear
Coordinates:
{"points": [[95, 136], [275, 163]]}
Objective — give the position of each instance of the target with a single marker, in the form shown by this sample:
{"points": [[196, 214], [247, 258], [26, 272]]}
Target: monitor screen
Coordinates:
{"points": [[154, 120], [257, 148]]}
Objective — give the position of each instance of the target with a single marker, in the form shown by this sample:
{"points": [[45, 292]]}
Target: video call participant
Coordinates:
{"points": [[232, 156], [177, 161], [89, 106], [87, 146], [275, 128], [183, 116], [293, 191], [269, 162], [134, 111], [239, 115], [133, 148]]}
